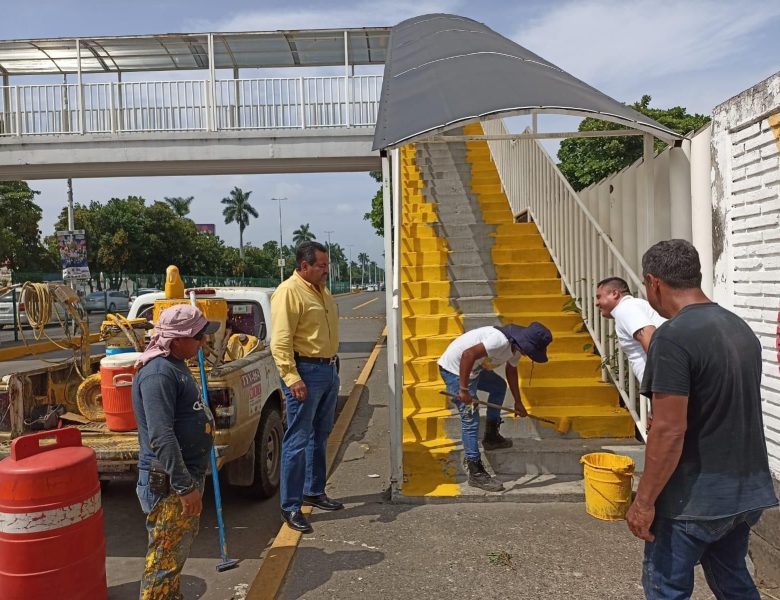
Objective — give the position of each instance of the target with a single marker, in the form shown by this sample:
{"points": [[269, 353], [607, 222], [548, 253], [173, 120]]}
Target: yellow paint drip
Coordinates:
{"points": [[774, 123]]}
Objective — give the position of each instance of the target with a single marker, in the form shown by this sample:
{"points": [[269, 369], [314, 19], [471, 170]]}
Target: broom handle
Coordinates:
{"points": [[499, 407]]}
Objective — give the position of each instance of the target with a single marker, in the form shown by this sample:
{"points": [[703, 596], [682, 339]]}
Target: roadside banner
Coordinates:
{"points": [[73, 254]]}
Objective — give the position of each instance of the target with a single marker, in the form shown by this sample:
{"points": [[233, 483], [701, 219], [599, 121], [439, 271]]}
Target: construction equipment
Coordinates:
{"points": [[562, 426]]}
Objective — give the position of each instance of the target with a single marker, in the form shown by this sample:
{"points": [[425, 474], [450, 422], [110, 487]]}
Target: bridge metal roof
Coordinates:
{"points": [[443, 71], [189, 51]]}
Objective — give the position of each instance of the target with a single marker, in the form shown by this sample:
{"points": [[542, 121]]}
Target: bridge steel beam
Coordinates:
{"points": [[188, 153]]}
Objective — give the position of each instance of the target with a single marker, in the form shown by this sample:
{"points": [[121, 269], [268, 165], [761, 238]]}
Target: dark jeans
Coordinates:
{"points": [[720, 546], [309, 423]]}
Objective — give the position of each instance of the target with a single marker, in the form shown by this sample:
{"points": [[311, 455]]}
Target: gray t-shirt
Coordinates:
{"points": [[713, 357]]}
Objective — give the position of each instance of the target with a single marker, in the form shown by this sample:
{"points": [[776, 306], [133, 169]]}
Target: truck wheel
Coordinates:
{"points": [[268, 454]]}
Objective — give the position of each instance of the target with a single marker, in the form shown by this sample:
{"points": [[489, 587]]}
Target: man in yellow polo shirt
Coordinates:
{"points": [[304, 342]]}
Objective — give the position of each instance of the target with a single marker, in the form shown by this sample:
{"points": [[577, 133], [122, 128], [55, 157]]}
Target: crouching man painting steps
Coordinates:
{"points": [[467, 366]]}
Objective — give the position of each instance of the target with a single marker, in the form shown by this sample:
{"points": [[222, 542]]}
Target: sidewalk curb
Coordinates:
{"points": [[273, 569]]}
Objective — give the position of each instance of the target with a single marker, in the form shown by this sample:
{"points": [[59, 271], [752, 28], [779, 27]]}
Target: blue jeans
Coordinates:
{"points": [[720, 545], [486, 381], [309, 422]]}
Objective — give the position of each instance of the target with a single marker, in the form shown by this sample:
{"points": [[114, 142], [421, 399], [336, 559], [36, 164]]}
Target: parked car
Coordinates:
{"points": [[141, 292], [7, 312], [117, 300]]}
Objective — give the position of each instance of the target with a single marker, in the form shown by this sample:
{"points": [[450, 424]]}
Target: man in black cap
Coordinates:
{"points": [[468, 366]]}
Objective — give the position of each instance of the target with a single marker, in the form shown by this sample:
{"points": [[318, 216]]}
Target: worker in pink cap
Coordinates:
{"points": [[175, 434]]}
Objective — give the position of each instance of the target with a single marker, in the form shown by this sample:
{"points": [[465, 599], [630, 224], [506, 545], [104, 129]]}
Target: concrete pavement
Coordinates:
{"points": [[377, 549]]}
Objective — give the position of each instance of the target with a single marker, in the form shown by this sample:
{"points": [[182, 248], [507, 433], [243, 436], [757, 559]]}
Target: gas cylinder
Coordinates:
{"points": [[51, 520], [174, 286]]}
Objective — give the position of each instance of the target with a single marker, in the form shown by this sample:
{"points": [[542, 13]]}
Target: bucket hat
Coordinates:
{"points": [[532, 340]]}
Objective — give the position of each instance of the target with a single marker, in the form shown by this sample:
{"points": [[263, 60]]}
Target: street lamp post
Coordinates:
{"points": [[349, 266], [281, 255], [330, 264]]}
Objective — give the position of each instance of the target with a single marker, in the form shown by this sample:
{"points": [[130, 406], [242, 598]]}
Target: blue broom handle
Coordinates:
{"points": [[214, 472]]}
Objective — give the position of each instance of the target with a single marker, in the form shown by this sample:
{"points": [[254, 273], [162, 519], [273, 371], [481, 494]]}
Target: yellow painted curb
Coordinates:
{"points": [[38, 348], [273, 570]]}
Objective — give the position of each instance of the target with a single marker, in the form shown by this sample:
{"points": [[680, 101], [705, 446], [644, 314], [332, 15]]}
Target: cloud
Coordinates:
{"points": [[370, 14], [618, 44]]}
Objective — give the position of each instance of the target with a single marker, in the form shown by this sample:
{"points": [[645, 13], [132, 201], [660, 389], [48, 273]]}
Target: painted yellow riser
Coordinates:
{"points": [[426, 448]]}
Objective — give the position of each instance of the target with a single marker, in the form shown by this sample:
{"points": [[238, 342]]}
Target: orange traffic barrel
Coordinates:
{"points": [[51, 520], [116, 387]]}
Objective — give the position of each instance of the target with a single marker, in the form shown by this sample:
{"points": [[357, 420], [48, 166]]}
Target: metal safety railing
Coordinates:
{"points": [[581, 250], [190, 105]]}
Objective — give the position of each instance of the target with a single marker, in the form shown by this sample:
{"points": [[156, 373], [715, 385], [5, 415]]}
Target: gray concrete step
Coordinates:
{"points": [[458, 272], [468, 230], [469, 257]]}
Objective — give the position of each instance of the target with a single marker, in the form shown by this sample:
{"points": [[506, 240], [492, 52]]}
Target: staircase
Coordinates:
{"points": [[466, 264]]}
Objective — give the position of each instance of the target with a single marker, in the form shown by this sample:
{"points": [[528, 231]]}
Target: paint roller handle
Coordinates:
{"points": [[499, 407]]}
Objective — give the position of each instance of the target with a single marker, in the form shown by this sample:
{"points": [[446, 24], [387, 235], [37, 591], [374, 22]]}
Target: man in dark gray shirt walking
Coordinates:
{"points": [[706, 479]]}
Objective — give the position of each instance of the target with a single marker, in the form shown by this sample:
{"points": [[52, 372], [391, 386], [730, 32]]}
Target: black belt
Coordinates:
{"points": [[315, 359]]}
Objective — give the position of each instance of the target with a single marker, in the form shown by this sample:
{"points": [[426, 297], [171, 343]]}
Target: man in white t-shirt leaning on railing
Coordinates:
{"points": [[635, 320]]}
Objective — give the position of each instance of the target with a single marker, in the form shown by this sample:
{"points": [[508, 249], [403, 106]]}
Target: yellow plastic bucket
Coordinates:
{"points": [[607, 485]]}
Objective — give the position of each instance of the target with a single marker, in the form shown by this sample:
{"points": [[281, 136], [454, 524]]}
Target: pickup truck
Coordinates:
{"points": [[244, 394]]}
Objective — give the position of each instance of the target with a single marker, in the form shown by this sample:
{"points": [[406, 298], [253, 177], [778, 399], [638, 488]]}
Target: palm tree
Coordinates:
{"points": [[363, 258], [337, 257], [180, 205], [303, 234], [237, 209]]}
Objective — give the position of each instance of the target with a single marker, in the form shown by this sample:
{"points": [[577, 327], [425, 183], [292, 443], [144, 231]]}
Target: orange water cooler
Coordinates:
{"points": [[116, 386]]}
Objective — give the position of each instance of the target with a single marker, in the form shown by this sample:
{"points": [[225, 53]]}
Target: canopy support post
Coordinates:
{"points": [[395, 404]]}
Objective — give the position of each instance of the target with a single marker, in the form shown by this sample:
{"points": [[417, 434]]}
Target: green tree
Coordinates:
{"points": [[180, 205], [338, 259], [20, 239], [377, 213], [238, 210], [303, 234], [584, 161], [363, 259]]}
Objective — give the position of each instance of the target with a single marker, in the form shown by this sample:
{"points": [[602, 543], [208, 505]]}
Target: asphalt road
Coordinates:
{"points": [[53, 330], [251, 525]]}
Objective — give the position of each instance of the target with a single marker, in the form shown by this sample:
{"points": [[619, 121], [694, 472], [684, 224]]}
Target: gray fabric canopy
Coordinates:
{"points": [[443, 71]]}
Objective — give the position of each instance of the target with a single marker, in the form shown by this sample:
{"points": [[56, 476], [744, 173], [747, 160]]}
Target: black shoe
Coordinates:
{"points": [[480, 478], [295, 520], [493, 440], [322, 502]]}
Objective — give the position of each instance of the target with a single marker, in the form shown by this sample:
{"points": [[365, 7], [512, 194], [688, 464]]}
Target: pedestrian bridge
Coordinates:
{"points": [[182, 123]]}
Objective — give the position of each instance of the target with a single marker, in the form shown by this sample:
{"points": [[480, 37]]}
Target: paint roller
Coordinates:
{"points": [[562, 425]]}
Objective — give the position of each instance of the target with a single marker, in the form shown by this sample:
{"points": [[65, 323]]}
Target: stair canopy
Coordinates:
{"points": [[443, 71]]}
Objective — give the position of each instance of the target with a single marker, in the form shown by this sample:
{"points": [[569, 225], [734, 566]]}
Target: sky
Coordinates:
{"points": [[692, 53]]}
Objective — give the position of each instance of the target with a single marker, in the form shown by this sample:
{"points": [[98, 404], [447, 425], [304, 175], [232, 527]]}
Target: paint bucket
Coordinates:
{"points": [[608, 480], [116, 385], [119, 342]]}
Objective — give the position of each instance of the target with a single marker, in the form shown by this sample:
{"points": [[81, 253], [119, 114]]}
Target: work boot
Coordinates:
{"points": [[493, 440], [479, 478]]}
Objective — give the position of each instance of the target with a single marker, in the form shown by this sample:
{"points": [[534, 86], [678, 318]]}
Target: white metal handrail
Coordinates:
{"points": [[581, 250], [189, 105]]}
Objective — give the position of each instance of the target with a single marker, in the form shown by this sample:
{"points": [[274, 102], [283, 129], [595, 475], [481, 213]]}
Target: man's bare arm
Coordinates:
{"points": [[644, 335], [467, 360], [662, 454], [514, 387]]}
